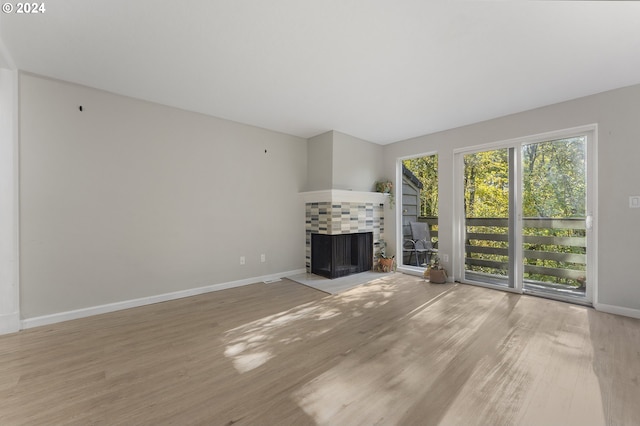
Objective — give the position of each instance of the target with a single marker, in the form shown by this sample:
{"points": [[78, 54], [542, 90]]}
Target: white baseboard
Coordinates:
{"points": [[410, 271], [618, 310], [9, 323], [126, 304]]}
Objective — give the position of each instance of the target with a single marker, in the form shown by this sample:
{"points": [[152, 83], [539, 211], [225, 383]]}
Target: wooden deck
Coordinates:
{"points": [[554, 249], [396, 351]]}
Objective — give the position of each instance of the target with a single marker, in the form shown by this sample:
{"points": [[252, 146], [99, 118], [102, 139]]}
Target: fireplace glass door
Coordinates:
{"points": [[335, 256]]}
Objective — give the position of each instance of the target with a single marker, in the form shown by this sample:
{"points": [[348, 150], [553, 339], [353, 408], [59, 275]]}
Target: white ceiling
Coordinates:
{"points": [[381, 70]]}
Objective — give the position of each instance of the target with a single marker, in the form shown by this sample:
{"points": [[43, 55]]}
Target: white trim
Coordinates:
{"points": [[560, 298], [458, 228], [397, 188], [340, 195], [9, 323], [398, 210], [410, 271], [491, 286], [617, 310], [9, 202], [409, 157], [538, 137], [592, 210], [126, 304]]}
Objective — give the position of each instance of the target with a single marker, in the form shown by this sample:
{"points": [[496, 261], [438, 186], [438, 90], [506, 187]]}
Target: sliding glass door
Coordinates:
{"points": [[554, 229], [526, 216], [487, 200]]}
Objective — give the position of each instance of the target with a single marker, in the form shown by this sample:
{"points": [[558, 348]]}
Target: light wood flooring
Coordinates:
{"points": [[396, 351]]}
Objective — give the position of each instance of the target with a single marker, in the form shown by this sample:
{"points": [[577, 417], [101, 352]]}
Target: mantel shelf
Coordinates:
{"points": [[341, 196]]}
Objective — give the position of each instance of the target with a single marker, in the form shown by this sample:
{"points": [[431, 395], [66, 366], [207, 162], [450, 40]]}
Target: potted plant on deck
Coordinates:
{"points": [[385, 263], [435, 272]]}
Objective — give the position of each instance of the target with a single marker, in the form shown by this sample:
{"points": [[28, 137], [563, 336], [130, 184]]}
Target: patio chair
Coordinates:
{"points": [[419, 245]]}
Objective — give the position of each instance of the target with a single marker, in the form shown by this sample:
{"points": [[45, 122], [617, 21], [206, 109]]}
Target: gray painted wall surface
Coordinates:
{"points": [[356, 163], [340, 161], [320, 162], [130, 199], [616, 113]]}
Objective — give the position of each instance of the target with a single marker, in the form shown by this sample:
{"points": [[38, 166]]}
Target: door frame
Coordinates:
{"points": [[591, 133], [407, 269]]}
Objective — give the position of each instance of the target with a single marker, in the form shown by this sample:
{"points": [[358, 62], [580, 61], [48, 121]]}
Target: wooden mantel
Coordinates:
{"points": [[341, 196]]}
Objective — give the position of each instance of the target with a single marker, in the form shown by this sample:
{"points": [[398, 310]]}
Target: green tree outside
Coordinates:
{"points": [[553, 186]]}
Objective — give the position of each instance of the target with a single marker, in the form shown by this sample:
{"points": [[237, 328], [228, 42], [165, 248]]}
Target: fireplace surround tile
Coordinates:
{"points": [[344, 217]]}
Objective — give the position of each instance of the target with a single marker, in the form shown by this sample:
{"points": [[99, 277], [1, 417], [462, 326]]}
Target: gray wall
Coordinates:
{"points": [[320, 162], [356, 163], [340, 161], [130, 199], [616, 113]]}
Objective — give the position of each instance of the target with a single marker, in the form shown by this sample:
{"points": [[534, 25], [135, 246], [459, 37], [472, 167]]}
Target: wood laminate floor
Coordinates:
{"points": [[396, 351]]}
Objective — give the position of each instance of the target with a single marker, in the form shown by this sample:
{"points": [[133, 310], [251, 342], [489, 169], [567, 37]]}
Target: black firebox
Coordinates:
{"points": [[335, 256]]}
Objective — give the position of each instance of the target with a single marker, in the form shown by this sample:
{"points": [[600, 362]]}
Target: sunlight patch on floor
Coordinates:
{"points": [[361, 391], [252, 345]]}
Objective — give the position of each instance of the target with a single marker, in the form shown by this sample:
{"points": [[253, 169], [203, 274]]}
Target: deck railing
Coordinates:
{"points": [[554, 249]]}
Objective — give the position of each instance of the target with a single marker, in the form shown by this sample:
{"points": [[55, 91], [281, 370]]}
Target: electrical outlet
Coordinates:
{"points": [[243, 260], [263, 258], [444, 257]]}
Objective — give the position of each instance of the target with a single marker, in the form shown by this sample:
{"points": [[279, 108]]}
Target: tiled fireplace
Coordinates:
{"points": [[335, 212]]}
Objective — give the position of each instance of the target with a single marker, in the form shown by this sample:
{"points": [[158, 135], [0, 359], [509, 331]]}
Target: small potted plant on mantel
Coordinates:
{"points": [[435, 272], [386, 187], [385, 263]]}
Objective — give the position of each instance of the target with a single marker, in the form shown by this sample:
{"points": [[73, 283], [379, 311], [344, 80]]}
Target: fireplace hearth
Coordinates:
{"points": [[335, 256]]}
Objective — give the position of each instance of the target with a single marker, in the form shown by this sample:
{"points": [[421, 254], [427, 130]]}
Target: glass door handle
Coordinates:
{"points": [[589, 222]]}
